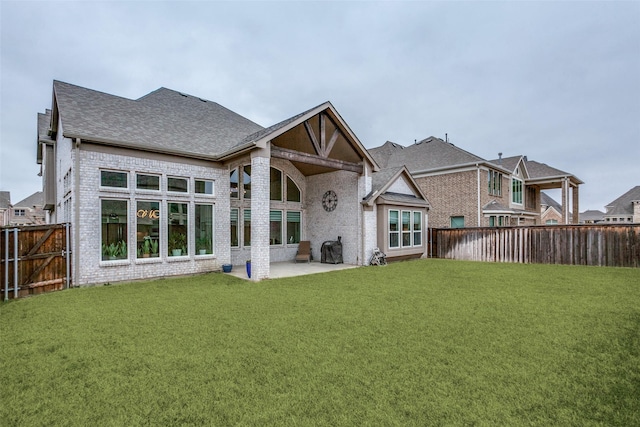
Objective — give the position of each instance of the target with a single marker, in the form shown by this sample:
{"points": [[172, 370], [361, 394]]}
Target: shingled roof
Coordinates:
{"points": [[162, 121], [430, 153], [622, 205]]}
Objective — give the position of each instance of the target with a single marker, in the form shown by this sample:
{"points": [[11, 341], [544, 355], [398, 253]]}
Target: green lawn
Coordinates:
{"points": [[429, 342]]}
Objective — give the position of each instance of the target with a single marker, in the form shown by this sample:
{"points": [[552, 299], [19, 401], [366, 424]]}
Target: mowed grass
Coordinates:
{"points": [[428, 342]]}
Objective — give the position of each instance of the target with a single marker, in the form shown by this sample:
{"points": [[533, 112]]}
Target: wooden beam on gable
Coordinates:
{"points": [[312, 137], [297, 156]]}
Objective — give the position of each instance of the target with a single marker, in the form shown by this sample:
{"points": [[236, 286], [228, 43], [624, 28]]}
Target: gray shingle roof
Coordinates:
{"points": [[591, 215], [382, 178], [36, 199], [547, 200], [430, 153], [164, 120], [622, 205]]}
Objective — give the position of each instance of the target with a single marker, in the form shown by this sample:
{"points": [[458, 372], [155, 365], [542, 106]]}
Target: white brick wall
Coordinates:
{"points": [[343, 221], [90, 268]]}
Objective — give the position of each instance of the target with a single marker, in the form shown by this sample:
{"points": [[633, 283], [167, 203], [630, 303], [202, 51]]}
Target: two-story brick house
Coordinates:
{"points": [[466, 190], [174, 184], [624, 209]]}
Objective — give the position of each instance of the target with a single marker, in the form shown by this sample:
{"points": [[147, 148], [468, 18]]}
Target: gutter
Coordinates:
{"points": [[76, 230]]}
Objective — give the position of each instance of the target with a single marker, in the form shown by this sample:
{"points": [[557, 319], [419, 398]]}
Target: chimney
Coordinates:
{"points": [[500, 159], [636, 211]]}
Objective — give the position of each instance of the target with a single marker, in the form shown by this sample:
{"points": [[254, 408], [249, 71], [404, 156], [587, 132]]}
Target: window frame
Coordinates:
{"points": [[205, 181], [155, 190], [182, 178], [517, 189], [124, 233], [393, 233], [111, 188], [197, 227]]}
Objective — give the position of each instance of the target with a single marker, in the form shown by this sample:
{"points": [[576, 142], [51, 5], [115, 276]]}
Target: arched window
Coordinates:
{"points": [[293, 192]]}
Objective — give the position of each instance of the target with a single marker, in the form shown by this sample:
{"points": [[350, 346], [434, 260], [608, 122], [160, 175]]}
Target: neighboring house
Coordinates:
{"points": [[174, 184], [466, 190], [591, 217], [624, 209], [528, 179], [550, 210], [5, 207], [29, 211]]}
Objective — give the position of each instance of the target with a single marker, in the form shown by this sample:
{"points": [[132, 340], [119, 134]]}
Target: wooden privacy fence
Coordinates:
{"points": [[34, 259], [598, 245]]}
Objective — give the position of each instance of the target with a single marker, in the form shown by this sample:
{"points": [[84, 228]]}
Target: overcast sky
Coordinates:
{"points": [[556, 81]]}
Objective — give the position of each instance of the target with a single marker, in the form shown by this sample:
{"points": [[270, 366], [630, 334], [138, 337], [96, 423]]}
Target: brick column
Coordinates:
{"points": [[565, 201], [576, 206], [260, 214]]}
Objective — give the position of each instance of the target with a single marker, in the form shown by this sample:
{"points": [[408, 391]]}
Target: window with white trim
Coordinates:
{"points": [[394, 229], [203, 229], [114, 179], [235, 230], [114, 216], [417, 228], [516, 190]]}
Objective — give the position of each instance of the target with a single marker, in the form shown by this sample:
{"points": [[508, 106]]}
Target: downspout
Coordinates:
{"points": [[76, 229], [478, 182]]}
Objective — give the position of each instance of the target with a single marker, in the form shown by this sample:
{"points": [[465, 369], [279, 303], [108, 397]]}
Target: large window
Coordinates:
{"points": [[293, 227], [276, 184], [394, 229], [114, 229], [114, 179], [147, 229], [516, 191], [247, 227], [178, 226], [204, 229], [275, 227], [235, 230]]}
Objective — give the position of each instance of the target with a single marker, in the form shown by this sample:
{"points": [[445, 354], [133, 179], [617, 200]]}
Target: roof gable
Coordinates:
{"points": [[395, 184]]}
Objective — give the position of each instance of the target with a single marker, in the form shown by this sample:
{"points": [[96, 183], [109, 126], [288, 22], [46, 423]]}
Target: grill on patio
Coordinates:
{"points": [[331, 251]]}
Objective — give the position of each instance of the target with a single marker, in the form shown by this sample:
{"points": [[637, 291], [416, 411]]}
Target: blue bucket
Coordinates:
{"points": [[227, 268]]}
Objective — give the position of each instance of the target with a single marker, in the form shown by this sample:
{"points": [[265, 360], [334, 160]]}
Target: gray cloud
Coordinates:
{"points": [[557, 81]]}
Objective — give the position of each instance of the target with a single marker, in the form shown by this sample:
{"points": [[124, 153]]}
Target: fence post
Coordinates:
{"points": [[6, 264], [66, 251], [15, 263]]}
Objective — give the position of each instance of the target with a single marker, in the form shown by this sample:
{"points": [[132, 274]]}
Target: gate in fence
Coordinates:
{"points": [[34, 259]]}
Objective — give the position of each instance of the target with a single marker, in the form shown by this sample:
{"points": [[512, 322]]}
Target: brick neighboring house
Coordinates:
{"points": [[5, 207], [466, 190], [172, 184], [550, 210], [624, 209], [29, 211]]}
